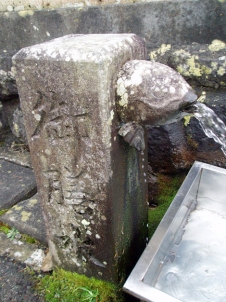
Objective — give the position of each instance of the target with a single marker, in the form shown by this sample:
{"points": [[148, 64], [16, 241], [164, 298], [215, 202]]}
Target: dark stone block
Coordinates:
{"points": [[16, 183], [8, 87]]}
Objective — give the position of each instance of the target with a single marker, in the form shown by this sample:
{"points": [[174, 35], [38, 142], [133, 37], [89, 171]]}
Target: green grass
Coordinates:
{"points": [[168, 188], [66, 286]]}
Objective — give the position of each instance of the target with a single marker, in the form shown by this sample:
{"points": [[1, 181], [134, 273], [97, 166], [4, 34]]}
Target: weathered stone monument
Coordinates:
{"points": [[92, 185]]}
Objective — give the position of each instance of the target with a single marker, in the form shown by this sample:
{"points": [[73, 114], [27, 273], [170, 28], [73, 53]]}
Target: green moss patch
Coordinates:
{"points": [[3, 212], [66, 286], [4, 228], [168, 187], [29, 239]]}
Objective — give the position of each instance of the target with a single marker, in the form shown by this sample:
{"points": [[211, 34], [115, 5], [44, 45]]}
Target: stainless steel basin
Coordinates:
{"points": [[185, 259]]}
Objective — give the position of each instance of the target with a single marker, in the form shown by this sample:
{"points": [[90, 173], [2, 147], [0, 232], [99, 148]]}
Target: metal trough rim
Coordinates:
{"points": [[135, 284]]}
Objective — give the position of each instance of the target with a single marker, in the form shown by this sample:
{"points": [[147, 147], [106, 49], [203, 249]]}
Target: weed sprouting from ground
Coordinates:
{"points": [[66, 286], [12, 233]]}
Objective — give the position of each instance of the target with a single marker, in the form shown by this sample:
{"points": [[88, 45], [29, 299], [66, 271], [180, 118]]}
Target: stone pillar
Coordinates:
{"points": [[92, 185]]}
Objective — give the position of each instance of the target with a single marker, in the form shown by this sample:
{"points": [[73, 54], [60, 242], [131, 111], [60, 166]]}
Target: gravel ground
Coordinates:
{"points": [[15, 283]]}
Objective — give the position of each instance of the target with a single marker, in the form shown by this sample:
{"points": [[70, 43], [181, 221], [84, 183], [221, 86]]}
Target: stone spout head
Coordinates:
{"points": [[150, 93]]}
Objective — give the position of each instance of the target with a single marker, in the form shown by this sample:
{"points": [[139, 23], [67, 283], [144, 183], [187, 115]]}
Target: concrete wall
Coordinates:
{"points": [[169, 22], [20, 5]]}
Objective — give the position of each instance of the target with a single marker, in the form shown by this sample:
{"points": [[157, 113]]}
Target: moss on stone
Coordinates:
{"points": [[67, 286], [4, 228], [168, 187], [3, 212]]}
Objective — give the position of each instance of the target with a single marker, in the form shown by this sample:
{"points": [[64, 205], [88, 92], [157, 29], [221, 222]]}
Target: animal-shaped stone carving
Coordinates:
{"points": [[150, 94]]}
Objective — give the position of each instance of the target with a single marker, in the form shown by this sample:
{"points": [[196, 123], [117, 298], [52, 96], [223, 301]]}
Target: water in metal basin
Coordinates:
{"points": [[196, 267]]}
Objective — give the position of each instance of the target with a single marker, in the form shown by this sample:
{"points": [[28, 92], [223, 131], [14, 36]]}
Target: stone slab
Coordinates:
{"points": [[19, 156], [21, 251], [16, 183], [27, 218]]}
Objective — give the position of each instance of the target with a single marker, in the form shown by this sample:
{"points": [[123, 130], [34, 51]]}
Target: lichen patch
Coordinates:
{"points": [[160, 51], [186, 120], [17, 208], [25, 13], [217, 45], [32, 202], [221, 71], [25, 216]]}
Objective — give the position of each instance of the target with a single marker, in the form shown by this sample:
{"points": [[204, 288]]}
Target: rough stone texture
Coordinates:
{"points": [[2, 128], [8, 108], [18, 128], [26, 216], [150, 93], [204, 65], [174, 147], [16, 249], [177, 146], [8, 87], [200, 64], [16, 283], [12, 118], [91, 184], [23, 5], [16, 155], [16, 183]]}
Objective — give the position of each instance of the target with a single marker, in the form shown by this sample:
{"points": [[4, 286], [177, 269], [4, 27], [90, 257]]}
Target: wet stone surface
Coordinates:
{"points": [[16, 183]]}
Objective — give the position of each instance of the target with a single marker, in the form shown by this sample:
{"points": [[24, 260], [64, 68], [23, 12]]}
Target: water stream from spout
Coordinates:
{"points": [[211, 124]]}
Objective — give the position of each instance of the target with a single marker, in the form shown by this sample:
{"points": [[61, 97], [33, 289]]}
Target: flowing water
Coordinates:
{"points": [[211, 124]]}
